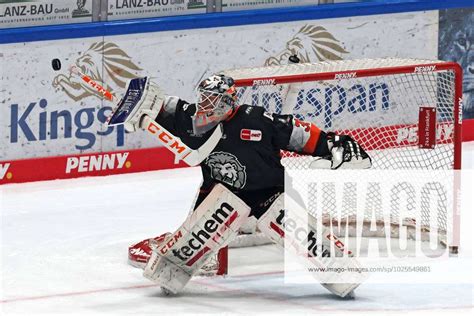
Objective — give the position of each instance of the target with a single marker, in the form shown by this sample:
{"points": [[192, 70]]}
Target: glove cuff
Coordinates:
{"points": [[324, 145]]}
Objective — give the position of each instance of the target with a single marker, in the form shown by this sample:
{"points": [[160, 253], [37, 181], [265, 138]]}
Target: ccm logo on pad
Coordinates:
{"points": [[251, 135]]}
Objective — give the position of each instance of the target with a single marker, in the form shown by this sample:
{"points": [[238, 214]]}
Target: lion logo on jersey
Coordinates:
{"points": [[226, 168], [456, 43], [116, 64], [311, 43]]}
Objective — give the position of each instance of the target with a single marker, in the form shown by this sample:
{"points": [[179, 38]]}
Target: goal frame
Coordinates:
{"points": [[415, 66]]}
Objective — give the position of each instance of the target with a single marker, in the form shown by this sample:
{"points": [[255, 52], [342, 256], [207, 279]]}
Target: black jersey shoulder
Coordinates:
{"points": [[246, 111]]}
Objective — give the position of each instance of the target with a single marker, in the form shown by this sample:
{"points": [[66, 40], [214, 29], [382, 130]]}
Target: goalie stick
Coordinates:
{"points": [[123, 112]]}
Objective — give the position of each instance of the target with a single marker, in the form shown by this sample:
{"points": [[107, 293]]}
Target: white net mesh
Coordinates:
{"points": [[377, 102]]}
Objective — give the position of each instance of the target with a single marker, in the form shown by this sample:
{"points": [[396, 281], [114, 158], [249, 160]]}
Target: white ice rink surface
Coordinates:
{"points": [[64, 251]]}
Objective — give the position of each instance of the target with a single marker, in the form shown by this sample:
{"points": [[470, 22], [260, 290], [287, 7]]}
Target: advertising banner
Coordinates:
{"points": [[132, 9], [20, 13], [46, 113], [87, 165], [236, 5], [456, 43]]}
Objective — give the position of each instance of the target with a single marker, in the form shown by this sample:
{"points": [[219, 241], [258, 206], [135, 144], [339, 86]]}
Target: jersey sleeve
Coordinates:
{"points": [[298, 136], [171, 114]]}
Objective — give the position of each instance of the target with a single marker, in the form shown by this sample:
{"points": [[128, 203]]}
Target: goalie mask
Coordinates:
{"points": [[216, 101]]}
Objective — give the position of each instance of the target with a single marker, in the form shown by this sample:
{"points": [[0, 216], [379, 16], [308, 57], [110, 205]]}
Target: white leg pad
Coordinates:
{"points": [[301, 234], [165, 273], [213, 224]]}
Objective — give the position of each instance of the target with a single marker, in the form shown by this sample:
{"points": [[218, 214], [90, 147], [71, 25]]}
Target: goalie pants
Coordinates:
{"points": [[258, 200]]}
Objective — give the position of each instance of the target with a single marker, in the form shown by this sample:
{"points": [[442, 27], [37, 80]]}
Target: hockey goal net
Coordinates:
{"points": [[385, 104]]}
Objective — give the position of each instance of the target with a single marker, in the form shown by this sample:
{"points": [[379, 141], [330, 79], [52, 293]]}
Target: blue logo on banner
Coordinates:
{"points": [[61, 124]]}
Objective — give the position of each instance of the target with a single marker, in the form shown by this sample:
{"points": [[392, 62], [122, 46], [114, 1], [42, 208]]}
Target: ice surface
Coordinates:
{"points": [[64, 246]]}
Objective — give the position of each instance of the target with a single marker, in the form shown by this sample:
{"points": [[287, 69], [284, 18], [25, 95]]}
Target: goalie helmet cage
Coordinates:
{"points": [[380, 102]]}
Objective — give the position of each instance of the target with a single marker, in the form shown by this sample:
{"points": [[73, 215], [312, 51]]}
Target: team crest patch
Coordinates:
{"points": [[226, 168], [252, 135]]}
